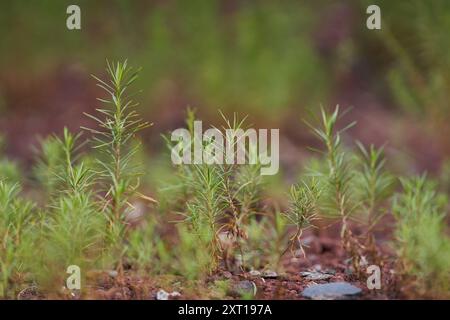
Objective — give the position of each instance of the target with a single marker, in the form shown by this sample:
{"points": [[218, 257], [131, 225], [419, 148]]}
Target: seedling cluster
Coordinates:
{"points": [[217, 212]]}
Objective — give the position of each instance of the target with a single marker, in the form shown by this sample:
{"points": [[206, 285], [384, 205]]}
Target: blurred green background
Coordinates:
{"points": [[272, 60]]}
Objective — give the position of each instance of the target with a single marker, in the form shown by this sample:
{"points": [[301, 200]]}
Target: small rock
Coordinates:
{"points": [[162, 295], [113, 273], [308, 240], [330, 271], [269, 274], [255, 273], [315, 275], [136, 213], [331, 291], [245, 287], [227, 274]]}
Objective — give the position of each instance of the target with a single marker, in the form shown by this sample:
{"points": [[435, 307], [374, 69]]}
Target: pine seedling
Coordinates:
{"points": [[241, 186], [267, 241], [338, 180], [75, 179], [16, 232], [142, 247], [236, 189], [200, 188], [184, 173], [373, 188], [73, 227], [375, 184], [73, 236], [249, 182], [192, 257], [118, 126], [422, 245], [206, 209], [302, 210]]}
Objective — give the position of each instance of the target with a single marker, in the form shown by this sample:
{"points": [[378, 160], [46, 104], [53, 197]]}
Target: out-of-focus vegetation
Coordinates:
{"points": [[423, 246], [271, 60], [213, 53], [239, 53]]}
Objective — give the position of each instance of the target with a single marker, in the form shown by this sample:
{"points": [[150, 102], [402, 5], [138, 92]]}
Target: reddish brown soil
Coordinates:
{"points": [[324, 253]]}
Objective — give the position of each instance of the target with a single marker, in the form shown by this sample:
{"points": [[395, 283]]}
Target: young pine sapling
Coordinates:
{"points": [[373, 187], [423, 247], [118, 126], [338, 198], [302, 211]]}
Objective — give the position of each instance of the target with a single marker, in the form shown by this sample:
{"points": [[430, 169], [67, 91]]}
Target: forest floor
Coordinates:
{"points": [[325, 262]]}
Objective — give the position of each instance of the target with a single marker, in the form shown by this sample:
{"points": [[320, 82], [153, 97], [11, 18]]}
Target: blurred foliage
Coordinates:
{"points": [[16, 221], [407, 61], [257, 55], [422, 244], [268, 240], [260, 56], [419, 46]]}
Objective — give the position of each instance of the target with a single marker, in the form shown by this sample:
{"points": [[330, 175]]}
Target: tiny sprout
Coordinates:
{"points": [[302, 210]]}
